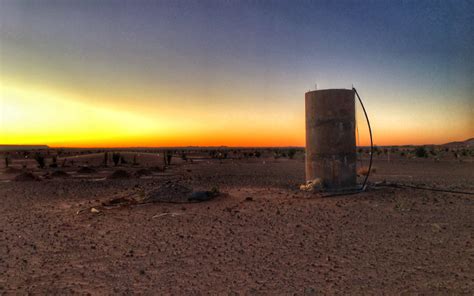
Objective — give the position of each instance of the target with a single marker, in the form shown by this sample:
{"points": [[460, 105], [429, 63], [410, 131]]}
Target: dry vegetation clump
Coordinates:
{"points": [[116, 157], [119, 174], [40, 160], [26, 176], [421, 152], [363, 171], [86, 170]]}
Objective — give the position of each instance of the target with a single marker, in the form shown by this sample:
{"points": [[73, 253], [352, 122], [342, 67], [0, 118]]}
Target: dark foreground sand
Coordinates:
{"points": [[262, 237]]}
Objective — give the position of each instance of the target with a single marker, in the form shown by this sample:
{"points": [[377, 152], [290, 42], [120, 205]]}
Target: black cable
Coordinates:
{"points": [[397, 185], [371, 141]]}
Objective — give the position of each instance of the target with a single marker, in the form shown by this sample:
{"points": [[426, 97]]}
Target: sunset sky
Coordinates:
{"points": [[179, 73]]}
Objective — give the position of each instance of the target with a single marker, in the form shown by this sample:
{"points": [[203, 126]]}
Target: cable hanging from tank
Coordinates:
{"points": [[364, 184]]}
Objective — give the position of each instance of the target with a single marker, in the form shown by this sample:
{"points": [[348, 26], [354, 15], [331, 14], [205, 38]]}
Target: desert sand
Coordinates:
{"points": [[261, 235]]}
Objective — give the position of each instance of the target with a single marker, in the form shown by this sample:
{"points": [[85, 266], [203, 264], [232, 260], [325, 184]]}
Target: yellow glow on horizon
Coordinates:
{"points": [[38, 116], [32, 115]]}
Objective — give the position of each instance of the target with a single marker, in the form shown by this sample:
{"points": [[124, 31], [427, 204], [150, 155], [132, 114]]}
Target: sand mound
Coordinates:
{"points": [[86, 170], [26, 176], [143, 172], [59, 174], [119, 174]]}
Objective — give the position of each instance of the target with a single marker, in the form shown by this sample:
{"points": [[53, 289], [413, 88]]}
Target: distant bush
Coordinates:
{"points": [[257, 154], [291, 153], [421, 152], [168, 157], [116, 158], [106, 159], [40, 160], [54, 163], [376, 150]]}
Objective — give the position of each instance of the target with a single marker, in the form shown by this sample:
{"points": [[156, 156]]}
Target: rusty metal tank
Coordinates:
{"points": [[330, 138]]}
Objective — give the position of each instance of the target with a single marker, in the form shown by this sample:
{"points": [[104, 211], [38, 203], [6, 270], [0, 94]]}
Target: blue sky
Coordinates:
{"points": [[412, 61]]}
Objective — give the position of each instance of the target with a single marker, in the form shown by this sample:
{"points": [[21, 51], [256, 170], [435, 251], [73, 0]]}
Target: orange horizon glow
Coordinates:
{"points": [[38, 116]]}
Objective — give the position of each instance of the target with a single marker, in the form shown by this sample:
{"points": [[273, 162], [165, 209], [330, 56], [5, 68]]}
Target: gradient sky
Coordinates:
{"points": [[178, 73]]}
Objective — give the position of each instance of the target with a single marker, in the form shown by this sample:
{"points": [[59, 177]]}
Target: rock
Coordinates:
{"points": [[310, 291], [202, 196]]}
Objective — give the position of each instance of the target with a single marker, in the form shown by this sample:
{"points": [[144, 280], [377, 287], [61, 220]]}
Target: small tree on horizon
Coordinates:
{"points": [[106, 158], [54, 163], [421, 152], [7, 161], [116, 158], [291, 153], [40, 160]]}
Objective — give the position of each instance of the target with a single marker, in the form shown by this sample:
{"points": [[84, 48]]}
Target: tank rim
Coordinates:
{"points": [[328, 89]]}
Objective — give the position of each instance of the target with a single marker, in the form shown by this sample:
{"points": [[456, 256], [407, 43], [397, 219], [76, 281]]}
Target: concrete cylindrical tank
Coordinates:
{"points": [[330, 138]]}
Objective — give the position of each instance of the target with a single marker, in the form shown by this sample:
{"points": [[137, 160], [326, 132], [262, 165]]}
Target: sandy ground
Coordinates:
{"points": [[263, 236]]}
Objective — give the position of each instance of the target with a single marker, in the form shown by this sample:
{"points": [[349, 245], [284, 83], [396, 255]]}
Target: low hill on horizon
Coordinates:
{"points": [[22, 147], [466, 143]]}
